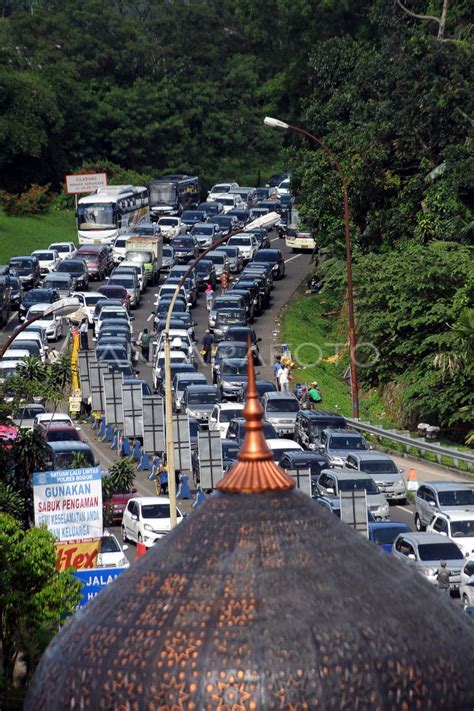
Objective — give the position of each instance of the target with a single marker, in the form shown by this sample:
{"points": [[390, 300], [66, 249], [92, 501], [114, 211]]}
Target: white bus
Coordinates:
{"points": [[109, 211]]}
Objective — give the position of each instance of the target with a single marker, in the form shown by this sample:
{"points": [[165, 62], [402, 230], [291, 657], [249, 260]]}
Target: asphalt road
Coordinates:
{"points": [[298, 266]]}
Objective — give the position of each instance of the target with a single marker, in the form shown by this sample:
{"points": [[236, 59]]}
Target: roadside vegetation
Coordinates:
{"points": [[21, 235]]}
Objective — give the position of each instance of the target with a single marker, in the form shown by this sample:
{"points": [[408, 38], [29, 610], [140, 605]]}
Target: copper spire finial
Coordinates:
{"points": [[256, 471]]}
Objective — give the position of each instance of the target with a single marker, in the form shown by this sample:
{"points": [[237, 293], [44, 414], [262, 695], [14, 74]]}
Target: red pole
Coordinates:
{"points": [[350, 292]]}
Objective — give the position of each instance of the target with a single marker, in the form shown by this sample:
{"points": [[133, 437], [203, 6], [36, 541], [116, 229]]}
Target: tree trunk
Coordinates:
{"points": [[442, 22]]}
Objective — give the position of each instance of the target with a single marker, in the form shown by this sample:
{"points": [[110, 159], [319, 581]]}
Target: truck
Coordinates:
{"points": [[148, 251]]}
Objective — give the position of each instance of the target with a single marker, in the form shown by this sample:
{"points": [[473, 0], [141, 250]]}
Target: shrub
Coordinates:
{"points": [[33, 201]]}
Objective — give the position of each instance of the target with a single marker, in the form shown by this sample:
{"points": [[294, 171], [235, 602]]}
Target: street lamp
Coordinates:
{"points": [[275, 123], [265, 220], [62, 307]]}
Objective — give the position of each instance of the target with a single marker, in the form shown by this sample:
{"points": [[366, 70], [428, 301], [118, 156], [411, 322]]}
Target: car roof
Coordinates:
{"points": [[285, 444], [230, 405], [69, 445], [369, 455], [347, 432], [297, 455], [231, 344], [272, 395], [150, 499], [347, 474], [234, 361], [456, 515], [202, 389], [377, 525], [448, 485], [320, 414], [425, 537]]}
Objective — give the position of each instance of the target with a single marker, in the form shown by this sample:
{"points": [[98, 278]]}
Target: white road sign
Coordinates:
{"points": [[85, 182]]}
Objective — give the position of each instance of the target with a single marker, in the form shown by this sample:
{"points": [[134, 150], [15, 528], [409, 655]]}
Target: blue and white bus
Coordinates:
{"points": [[109, 211]]}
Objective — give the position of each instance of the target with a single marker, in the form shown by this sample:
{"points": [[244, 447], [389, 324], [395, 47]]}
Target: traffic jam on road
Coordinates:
{"points": [[135, 245]]}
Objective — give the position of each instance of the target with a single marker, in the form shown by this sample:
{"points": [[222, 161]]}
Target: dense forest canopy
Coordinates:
{"points": [[159, 85]]}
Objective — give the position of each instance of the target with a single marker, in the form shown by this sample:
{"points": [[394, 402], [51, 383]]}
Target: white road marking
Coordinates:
{"points": [[150, 317], [12, 316], [275, 239], [291, 258], [405, 509]]}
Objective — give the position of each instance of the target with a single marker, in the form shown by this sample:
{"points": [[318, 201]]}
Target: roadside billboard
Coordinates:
{"points": [[69, 502], [81, 555], [85, 182], [95, 580]]}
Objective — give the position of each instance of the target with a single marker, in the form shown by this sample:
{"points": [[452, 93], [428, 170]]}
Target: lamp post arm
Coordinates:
{"points": [[17, 331]]}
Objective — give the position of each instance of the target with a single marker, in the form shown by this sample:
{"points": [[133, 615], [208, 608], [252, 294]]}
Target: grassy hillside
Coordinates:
{"points": [[311, 335], [21, 235]]}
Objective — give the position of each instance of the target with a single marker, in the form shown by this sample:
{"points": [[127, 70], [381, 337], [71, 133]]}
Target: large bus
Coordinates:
{"points": [[171, 194], [109, 211]]}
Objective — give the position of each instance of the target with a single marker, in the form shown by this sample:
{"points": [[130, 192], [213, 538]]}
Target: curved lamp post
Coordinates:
{"points": [[275, 123], [265, 220], [63, 307]]}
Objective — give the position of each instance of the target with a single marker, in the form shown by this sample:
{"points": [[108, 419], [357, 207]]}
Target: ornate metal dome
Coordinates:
{"points": [[261, 600]]}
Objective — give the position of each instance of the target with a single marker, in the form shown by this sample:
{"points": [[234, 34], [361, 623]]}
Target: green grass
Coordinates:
{"points": [[309, 325], [22, 235]]}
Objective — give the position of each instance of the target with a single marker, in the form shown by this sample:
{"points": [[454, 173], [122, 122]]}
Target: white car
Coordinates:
{"points": [[87, 301], [7, 368], [65, 250], [466, 587], [48, 260], [284, 188], [458, 525], [113, 311], [158, 371], [111, 553], [247, 244], [119, 247], [146, 519], [231, 201], [171, 227], [280, 446], [222, 414], [220, 189], [27, 335], [15, 354], [46, 418], [52, 324], [179, 341], [139, 268]]}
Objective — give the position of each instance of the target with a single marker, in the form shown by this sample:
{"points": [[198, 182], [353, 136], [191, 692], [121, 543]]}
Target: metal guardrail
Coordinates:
{"points": [[414, 442]]}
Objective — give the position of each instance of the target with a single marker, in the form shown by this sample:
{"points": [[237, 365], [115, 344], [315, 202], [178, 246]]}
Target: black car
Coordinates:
{"points": [[310, 423], [271, 205], [186, 248], [242, 215], [226, 223], [253, 288], [211, 208], [230, 450], [77, 268], [16, 292], [225, 350], [192, 217], [261, 235], [273, 257], [276, 179], [236, 430], [36, 296], [205, 274], [27, 269], [294, 459], [263, 386], [243, 333], [248, 302], [181, 320]]}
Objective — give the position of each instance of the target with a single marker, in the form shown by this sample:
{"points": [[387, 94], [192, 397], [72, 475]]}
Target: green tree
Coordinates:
{"points": [[33, 595]]}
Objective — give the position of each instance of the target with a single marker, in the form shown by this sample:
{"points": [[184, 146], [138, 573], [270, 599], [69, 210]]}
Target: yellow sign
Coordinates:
{"points": [[80, 555]]}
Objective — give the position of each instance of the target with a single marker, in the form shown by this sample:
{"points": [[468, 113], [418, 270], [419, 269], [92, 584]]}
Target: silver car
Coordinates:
{"points": [[280, 409], [425, 551], [332, 481], [384, 472], [336, 445], [434, 496], [181, 382]]}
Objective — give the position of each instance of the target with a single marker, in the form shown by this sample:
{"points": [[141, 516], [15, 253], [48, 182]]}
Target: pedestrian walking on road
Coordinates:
{"points": [[276, 371], [209, 297], [84, 335], [207, 343], [284, 379], [444, 575], [144, 339]]}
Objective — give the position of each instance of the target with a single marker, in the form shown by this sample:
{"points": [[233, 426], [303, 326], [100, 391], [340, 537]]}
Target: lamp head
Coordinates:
{"points": [[275, 123]]}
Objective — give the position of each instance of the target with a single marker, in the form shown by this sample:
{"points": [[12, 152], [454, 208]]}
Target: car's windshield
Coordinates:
{"points": [[379, 466], [98, 216], [61, 247], [203, 230], [231, 351], [115, 293], [21, 263], [234, 369], [63, 435], [168, 221], [457, 497], [462, 529], [127, 281], [266, 257], [228, 415], [183, 242], [191, 215], [439, 551], [216, 258], [347, 442], [105, 315], [204, 266], [72, 267], [282, 405], [230, 451], [242, 241], [120, 242], [156, 511], [386, 536], [37, 296], [168, 251], [203, 398], [65, 460], [318, 427], [57, 283], [220, 188], [235, 316], [109, 544], [144, 230], [183, 383], [358, 485], [139, 256], [44, 256]]}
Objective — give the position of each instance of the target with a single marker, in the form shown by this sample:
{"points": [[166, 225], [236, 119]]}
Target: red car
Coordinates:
{"points": [[61, 433], [116, 292], [118, 503]]}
